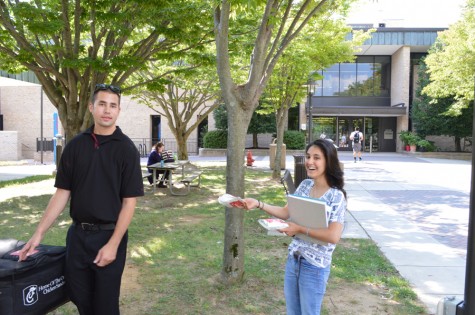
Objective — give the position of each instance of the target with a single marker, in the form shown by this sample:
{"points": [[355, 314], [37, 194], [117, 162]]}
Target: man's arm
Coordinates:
{"points": [[108, 252], [55, 206]]}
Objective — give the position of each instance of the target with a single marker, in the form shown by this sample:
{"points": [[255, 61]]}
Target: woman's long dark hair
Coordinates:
{"points": [[333, 171]]}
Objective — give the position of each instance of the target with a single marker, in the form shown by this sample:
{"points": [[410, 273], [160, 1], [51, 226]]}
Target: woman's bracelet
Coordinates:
{"points": [[259, 204], [307, 231]]}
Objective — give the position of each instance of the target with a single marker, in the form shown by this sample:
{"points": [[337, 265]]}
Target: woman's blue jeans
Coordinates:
{"points": [[304, 286]]}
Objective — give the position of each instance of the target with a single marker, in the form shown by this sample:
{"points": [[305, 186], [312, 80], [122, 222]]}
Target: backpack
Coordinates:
{"points": [[356, 137]]}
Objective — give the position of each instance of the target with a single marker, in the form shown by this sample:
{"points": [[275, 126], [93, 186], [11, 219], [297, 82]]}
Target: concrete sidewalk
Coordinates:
{"points": [[415, 209], [24, 168]]}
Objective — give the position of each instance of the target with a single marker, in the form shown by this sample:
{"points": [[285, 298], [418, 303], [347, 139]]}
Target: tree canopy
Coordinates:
{"points": [[186, 96], [71, 45], [451, 61], [435, 118], [320, 45]]}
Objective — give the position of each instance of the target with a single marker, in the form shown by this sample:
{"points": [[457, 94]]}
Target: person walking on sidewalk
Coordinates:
{"points": [[308, 263], [357, 139], [100, 174]]}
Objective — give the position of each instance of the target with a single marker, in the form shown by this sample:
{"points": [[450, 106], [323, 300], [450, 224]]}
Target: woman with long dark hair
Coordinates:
{"points": [[308, 263]]}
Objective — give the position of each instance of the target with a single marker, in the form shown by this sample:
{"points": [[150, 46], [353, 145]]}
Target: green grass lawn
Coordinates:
{"points": [[176, 253]]}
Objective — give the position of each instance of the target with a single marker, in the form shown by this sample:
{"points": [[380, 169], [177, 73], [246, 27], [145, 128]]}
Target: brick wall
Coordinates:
{"points": [[20, 104], [10, 147]]}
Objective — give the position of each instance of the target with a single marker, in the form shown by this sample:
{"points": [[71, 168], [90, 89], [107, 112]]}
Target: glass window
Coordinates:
{"points": [[368, 76], [347, 79], [365, 76], [317, 87], [331, 80], [382, 75]]}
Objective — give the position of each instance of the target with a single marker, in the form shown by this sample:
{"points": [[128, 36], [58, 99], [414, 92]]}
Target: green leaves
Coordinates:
{"points": [[438, 115], [451, 61], [71, 45]]}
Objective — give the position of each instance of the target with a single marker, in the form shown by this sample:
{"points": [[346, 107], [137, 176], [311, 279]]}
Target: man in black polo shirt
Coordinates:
{"points": [[100, 172]]}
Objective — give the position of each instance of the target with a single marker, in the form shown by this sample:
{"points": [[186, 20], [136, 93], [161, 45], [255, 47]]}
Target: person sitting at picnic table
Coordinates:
{"points": [[156, 156]]}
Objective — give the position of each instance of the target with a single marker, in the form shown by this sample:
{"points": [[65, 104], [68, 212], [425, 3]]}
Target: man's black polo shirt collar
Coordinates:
{"points": [[99, 139]]}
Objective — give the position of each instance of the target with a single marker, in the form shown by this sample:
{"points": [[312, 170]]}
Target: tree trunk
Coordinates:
{"points": [[233, 264], [458, 146], [72, 127], [255, 141], [182, 149]]}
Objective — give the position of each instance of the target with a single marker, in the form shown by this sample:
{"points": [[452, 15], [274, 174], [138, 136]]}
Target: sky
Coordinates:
{"points": [[406, 13]]}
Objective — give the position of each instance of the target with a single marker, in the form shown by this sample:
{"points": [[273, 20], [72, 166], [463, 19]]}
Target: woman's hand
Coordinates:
{"points": [[250, 203], [292, 229]]}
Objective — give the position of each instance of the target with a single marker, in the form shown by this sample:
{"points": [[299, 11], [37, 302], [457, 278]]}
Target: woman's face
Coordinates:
{"points": [[160, 149], [315, 162]]}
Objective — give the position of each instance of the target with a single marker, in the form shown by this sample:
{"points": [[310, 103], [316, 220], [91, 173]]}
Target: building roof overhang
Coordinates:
{"points": [[373, 111], [386, 41]]}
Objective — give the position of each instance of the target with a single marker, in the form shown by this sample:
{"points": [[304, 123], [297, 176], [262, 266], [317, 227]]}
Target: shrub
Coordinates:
{"points": [[215, 139], [426, 145], [294, 140], [409, 137]]}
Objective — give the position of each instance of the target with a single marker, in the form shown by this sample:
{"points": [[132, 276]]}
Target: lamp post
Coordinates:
{"points": [[59, 149], [467, 307], [309, 112]]}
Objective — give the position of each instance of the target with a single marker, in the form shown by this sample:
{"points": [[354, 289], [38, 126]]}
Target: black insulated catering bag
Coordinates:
{"points": [[34, 286]]}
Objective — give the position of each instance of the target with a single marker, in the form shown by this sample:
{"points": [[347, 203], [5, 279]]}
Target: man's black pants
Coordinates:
{"points": [[94, 290]]}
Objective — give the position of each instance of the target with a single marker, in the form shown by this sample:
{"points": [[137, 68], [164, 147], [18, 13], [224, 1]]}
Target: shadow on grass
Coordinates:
{"points": [[176, 247]]}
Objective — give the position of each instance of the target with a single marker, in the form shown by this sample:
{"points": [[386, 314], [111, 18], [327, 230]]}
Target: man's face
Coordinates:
{"points": [[105, 111]]}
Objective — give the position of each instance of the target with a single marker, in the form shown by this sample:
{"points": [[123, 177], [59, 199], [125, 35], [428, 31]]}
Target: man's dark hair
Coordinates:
{"points": [[105, 87]]}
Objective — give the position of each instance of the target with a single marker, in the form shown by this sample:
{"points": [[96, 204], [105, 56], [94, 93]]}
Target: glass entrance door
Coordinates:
{"points": [[346, 125], [339, 129], [371, 134], [344, 134]]}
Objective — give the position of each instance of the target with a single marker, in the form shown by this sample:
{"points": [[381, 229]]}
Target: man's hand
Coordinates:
{"points": [[29, 248], [106, 255]]}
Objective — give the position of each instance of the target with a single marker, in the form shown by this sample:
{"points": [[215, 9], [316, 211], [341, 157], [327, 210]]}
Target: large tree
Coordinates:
{"points": [[71, 45], [279, 23], [186, 98], [451, 61], [434, 118]]}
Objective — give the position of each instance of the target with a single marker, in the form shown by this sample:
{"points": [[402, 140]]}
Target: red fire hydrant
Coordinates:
{"points": [[249, 159]]}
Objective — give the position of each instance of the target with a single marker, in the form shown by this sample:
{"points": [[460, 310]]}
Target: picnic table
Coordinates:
{"points": [[189, 173]]}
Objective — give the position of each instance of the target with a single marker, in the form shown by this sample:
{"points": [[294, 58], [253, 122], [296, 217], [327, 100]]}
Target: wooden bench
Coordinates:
{"points": [[191, 178], [145, 175]]}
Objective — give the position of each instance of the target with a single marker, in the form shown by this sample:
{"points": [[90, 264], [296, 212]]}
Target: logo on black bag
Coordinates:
{"points": [[30, 295]]}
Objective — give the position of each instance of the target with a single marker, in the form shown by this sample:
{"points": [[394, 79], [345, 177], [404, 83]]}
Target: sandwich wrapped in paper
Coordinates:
{"points": [[273, 224], [231, 201]]}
